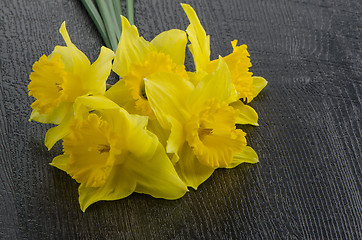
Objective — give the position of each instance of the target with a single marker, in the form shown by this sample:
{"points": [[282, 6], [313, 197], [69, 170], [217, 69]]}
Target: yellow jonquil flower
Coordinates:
{"points": [[111, 154], [247, 86], [203, 134], [57, 80], [136, 59]]}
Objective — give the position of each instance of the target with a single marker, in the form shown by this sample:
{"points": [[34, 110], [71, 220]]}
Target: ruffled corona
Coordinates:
{"points": [[212, 135], [92, 148], [238, 63], [47, 83]]}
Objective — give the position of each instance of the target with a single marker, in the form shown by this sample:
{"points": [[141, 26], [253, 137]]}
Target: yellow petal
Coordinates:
{"points": [[121, 183], [132, 49], [148, 162], [190, 170], [216, 85], [84, 104], [156, 176], [65, 54], [195, 77], [166, 94], [200, 43], [161, 133], [60, 162], [248, 155], [54, 134], [120, 94], [177, 137], [55, 116], [97, 102], [245, 114], [139, 141], [172, 43], [99, 71], [258, 83], [73, 58]]}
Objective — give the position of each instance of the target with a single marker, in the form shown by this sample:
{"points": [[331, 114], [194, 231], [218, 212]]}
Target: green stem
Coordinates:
{"points": [[118, 12], [93, 13], [115, 21], [106, 9], [130, 11]]}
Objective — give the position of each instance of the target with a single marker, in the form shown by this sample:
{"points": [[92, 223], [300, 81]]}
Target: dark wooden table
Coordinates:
{"points": [[308, 182]]}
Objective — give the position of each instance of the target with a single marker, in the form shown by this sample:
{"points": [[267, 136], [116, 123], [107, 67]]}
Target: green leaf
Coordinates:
{"points": [[118, 12], [94, 14], [107, 11], [130, 11]]}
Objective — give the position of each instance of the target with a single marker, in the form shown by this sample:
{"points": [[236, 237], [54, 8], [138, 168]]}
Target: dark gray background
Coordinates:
{"points": [[308, 182]]}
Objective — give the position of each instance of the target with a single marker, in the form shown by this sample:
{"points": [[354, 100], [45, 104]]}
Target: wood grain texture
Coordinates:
{"points": [[308, 182]]}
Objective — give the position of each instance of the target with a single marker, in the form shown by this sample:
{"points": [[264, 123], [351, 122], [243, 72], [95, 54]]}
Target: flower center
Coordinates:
{"points": [[103, 148], [153, 62], [92, 152], [143, 91], [213, 137], [204, 132], [58, 85]]}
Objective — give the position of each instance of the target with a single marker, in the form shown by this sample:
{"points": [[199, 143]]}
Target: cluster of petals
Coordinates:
{"points": [[160, 129]]}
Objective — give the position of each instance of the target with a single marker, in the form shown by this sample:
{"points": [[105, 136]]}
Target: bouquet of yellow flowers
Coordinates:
{"points": [[160, 128]]}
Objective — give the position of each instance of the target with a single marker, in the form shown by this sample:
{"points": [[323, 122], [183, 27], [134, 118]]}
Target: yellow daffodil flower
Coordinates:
{"points": [[136, 59], [203, 134], [111, 154], [58, 79], [247, 86]]}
